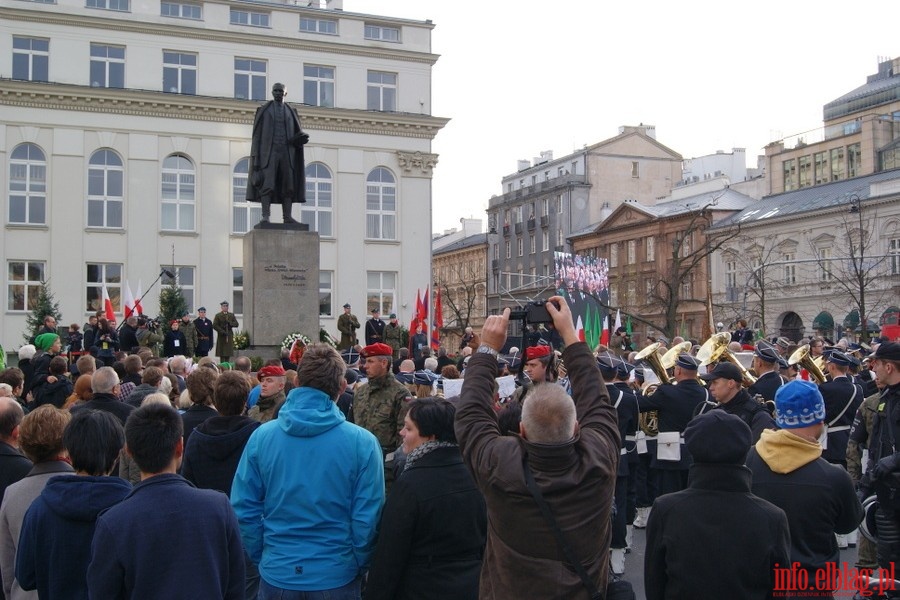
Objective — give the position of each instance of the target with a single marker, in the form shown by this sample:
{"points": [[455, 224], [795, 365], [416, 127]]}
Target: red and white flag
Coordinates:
{"points": [[107, 305], [579, 328], [138, 309], [129, 300], [618, 324]]}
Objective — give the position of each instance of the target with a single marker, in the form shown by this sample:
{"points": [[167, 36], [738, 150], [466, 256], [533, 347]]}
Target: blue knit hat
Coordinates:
{"points": [[799, 404]]}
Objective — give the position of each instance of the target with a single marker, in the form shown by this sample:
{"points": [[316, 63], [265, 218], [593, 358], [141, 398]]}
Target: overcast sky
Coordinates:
{"points": [[518, 77]]}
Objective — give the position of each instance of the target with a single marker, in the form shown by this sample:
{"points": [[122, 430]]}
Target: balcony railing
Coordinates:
{"points": [[519, 227], [531, 224], [506, 231], [545, 220]]}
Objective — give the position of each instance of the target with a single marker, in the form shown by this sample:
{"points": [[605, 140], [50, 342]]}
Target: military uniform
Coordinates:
{"points": [[392, 338], [379, 406], [374, 331], [190, 337], [204, 329], [860, 434], [767, 384], [224, 323], [347, 324], [842, 399]]}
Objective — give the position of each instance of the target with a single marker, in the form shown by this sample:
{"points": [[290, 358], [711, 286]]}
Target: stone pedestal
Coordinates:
{"points": [[281, 285]]}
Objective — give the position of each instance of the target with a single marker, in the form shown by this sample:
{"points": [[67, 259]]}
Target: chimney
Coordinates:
{"points": [[523, 164]]}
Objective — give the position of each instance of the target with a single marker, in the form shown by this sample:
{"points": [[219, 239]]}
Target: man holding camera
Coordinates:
{"points": [[147, 335], [568, 449]]}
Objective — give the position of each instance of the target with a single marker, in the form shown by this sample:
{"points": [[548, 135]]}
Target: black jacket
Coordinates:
{"points": [[107, 403], [842, 400], [714, 539], [174, 344], [212, 454], [767, 384], [627, 414], [128, 338], [194, 416], [751, 412], [675, 405], [54, 393], [433, 531], [13, 466]]}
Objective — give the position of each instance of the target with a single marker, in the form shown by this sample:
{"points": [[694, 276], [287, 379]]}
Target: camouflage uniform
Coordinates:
{"points": [[190, 337], [392, 338], [860, 432], [380, 406]]}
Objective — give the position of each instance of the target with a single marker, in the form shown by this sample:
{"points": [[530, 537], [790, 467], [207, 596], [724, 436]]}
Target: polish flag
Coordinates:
{"points": [[107, 305], [618, 323], [138, 308], [604, 335], [129, 300], [579, 328]]}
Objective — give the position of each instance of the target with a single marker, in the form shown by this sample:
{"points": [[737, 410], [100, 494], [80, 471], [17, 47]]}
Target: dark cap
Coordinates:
{"points": [[783, 342], [783, 363], [766, 352], [201, 309], [375, 311], [350, 356], [839, 358], [724, 370], [887, 351], [718, 437], [393, 316], [623, 369], [607, 362], [351, 376], [347, 305], [223, 303], [686, 361]]}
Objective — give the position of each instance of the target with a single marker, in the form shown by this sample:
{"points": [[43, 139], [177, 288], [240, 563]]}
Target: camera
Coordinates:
{"points": [[533, 312]]}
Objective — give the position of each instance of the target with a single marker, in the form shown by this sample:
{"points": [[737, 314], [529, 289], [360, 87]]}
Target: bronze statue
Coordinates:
{"points": [[277, 172]]}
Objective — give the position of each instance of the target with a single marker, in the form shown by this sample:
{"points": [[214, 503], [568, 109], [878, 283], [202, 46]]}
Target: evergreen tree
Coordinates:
{"points": [[45, 305], [172, 304]]}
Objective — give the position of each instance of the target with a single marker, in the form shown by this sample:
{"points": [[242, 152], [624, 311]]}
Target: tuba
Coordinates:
{"points": [[715, 349], [649, 420], [669, 358], [801, 357]]}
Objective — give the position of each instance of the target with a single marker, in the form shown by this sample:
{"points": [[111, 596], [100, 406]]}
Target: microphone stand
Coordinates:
{"points": [[155, 281]]}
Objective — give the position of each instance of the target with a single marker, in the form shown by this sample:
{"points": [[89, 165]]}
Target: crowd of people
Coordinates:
{"points": [[371, 472]]}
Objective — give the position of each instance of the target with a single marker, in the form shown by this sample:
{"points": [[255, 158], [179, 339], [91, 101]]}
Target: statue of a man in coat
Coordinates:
{"points": [[276, 157]]}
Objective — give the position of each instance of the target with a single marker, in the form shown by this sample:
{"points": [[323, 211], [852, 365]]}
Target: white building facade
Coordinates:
{"points": [[124, 137]]}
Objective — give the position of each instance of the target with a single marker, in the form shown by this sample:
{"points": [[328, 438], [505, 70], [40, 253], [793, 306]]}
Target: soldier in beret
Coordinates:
{"points": [[272, 379]]}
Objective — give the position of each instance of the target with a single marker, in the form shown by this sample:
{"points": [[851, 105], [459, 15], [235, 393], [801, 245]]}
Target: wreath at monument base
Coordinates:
{"points": [[241, 340], [296, 343]]}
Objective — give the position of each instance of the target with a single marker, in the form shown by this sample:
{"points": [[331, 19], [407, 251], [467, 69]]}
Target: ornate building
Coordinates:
{"points": [[459, 273]]}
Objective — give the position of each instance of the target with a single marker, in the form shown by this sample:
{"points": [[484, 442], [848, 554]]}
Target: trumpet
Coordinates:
{"points": [[801, 357], [715, 349]]}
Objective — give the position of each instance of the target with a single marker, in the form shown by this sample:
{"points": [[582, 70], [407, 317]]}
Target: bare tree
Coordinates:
{"points": [[462, 296], [760, 273]]}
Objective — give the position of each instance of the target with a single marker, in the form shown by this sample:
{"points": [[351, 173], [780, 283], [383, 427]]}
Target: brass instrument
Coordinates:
{"points": [[801, 357], [648, 421], [715, 349], [669, 358]]}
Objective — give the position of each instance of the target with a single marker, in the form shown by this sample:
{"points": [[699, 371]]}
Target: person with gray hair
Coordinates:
{"points": [[105, 383], [13, 464], [571, 448]]}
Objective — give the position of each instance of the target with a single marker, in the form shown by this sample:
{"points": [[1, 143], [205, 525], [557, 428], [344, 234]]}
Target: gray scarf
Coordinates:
{"points": [[424, 449]]}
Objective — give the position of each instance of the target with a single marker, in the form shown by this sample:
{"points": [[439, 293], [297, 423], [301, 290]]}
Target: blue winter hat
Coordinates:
{"points": [[798, 404]]}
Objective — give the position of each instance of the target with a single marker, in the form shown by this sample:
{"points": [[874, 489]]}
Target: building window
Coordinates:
{"points": [[532, 244], [560, 240], [631, 251], [820, 165], [824, 257], [181, 10], [381, 205], [120, 5], [805, 177], [237, 290], [649, 287], [631, 293], [30, 59], [519, 246], [179, 72], [533, 274], [382, 289], [730, 274], [508, 255], [184, 278], [635, 168], [496, 251], [318, 85], [790, 175], [382, 33], [614, 255], [545, 207], [249, 79], [854, 159], [381, 93], [326, 284], [326, 26], [252, 18], [177, 194], [317, 211], [107, 66], [106, 187], [559, 205], [837, 164], [98, 275], [687, 286], [23, 284], [790, 270], [517, 214], [650, 248], [545, 271], [894, 251], [245, 215], [27, 186], [545, 240]]}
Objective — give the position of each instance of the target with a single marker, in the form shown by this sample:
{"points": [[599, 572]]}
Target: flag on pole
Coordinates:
{"points": [[414, 323], [604, 336], [420, 306], [138, 308], [579, 329], [128, 309], [618, 324], [628, 326], [107, 305], [437, 321]]}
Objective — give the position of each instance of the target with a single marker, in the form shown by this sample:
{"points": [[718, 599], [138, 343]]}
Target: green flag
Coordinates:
{"points": [[628, 326]]}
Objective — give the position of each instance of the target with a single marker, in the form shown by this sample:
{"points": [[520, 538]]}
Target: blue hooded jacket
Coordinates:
{"points": [[308, 494]]}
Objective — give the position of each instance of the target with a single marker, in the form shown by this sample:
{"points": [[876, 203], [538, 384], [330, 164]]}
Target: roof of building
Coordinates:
{"points": [[808, 199], [466, 242], [881, 88]]}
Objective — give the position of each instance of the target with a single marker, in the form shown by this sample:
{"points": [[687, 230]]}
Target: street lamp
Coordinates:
{"points": [[856, 207]]}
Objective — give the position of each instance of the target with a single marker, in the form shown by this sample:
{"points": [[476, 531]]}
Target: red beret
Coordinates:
{"points": [[378, 350], [536, 352], [270, 371]]}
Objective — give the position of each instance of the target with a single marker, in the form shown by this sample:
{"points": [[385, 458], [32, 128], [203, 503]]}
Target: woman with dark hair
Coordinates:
{"points": [[106, 341], [55, 543], [434, 523]]}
